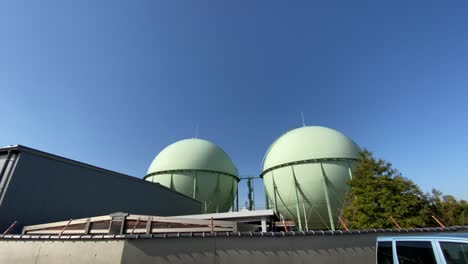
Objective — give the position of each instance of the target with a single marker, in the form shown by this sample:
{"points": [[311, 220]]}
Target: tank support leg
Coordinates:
{"points": [[349, 171], [194, 186], [237, 200], [217, 195], [298, 210], [274, 191], [267, 202], [305, 216], [172, 182], [327, 198], [232, 197]]}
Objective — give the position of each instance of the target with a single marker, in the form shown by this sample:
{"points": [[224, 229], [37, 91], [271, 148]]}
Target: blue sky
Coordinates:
{"points": [[112, 84]]}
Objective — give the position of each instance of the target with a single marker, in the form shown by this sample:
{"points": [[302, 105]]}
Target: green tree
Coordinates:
{"points": [[379, 192], [448, 209]]}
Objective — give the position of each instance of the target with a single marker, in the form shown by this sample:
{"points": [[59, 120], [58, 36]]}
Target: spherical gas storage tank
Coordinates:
{"points": [[305, 173], [199, 169]]}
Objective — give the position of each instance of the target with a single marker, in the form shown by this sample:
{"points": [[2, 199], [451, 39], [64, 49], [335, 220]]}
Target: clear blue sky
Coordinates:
{"points": [[112, 83]]}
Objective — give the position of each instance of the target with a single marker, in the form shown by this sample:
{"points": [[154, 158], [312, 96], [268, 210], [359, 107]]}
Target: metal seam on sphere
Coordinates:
{"points": [[189, 170], [305, 162], [272, 144]]}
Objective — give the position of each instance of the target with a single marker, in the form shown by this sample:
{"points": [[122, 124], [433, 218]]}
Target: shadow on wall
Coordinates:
{"points": [[299, 249]]}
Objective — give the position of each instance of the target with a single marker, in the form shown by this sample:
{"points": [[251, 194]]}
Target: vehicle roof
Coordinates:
{"points": [[441, 236]]}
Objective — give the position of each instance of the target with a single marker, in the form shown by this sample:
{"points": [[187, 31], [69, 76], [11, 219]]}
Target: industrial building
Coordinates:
{"points": [[38, 187]]}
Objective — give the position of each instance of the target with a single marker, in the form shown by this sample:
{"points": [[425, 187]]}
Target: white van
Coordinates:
{"points": [[423, 249]]}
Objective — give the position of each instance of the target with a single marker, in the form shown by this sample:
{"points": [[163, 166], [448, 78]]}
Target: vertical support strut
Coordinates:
{"points": [[237, 199], [195, 186], [217, 195], [327, 198], [253, 194], [172, 182], [298, 211], [305, 216], [349, 171], [267, 202], [274, 191], [233, 194]]}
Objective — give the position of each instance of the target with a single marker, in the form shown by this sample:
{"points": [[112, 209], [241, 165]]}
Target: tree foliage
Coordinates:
{"points": [[448, 209], [379, 192]]}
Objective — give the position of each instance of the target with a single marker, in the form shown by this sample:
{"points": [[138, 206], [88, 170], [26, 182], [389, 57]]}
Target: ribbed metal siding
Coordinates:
{"points": [[42, 189]]}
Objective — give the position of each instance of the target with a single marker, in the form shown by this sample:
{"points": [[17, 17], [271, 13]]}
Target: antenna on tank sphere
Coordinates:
{"points": [[303, 121], [196, 131]]}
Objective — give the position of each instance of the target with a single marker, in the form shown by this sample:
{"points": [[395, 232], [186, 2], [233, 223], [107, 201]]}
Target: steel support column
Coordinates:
{"points": [[305, 216], [327, 198], [195, 186], [349, 171], [172, 182], [217, 195], [232, 195], [298, 210], [237, 199], [274, 191]]}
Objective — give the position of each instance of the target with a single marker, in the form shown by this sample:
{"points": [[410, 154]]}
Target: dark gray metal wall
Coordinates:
{"points": [[44, 188]]}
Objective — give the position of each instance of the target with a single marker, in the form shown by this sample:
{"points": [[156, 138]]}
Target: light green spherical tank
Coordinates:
{"points": [[305, 174], [199, 169]]}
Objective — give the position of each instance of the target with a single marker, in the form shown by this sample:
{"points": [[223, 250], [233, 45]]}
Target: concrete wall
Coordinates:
{"points": [[297, 249], [253, 250], [227, 250], [61, 252], [44, 189]]}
